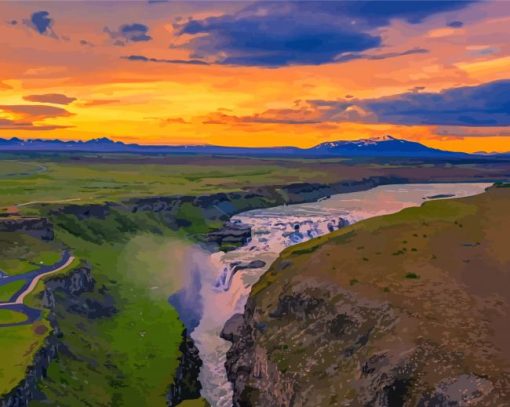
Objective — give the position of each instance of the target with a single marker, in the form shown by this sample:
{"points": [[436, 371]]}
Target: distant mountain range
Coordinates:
{"points": [[386, 146]]}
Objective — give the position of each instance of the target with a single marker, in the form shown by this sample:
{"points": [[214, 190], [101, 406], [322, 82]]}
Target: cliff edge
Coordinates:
{"points": [[409, 309]]}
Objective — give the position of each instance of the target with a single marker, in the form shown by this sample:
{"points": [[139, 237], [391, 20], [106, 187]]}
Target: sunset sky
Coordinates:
{"points": [[257, 73]]}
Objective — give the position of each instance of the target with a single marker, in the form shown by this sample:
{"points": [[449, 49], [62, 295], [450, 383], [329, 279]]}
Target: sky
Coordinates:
{"points": [[257, 73]]}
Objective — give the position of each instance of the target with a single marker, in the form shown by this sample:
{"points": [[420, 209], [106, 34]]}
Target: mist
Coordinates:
{"points": [[169, 268]]}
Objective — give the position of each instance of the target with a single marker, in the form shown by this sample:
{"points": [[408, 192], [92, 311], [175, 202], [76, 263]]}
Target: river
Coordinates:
{"points": [[225, 293]]}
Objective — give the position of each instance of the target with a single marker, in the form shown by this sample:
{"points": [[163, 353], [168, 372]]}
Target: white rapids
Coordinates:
{"points": [[225, 293]]}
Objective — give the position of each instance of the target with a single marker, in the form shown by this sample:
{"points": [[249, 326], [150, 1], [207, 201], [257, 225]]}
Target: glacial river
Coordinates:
{"points": [[225, 293]]}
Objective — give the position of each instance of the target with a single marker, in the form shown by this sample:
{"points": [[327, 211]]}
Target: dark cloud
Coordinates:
{"points": [[7, 124], [86, 43], [380, 12], [126, 33], [374, 57], [135, 32], [26, 115], [482, 50], [461, 132], [417, 89], [309, 32], [485, 105], [142, 58], [34, 112], [42, 23], [54, 98], [455, 24]]}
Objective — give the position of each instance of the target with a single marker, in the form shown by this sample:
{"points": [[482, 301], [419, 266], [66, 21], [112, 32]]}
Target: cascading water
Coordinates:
{"points": [[274, 229]]}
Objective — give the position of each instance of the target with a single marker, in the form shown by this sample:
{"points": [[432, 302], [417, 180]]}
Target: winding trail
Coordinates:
{"points": [[16, 302], [47, 202]]}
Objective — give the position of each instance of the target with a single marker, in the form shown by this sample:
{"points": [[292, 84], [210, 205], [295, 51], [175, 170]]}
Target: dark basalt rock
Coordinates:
{"points": [[254, 264], [297, 305], [230, 234], [342, 223], [75, 283], [233, 328], [93, 309], [72, 287], [186, 385], [40, 228], [27, 390], [99, 211], [458, 391], [78, 281]]}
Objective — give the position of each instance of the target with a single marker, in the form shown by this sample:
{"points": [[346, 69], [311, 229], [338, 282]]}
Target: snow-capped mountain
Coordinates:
{"points": [[384, 146]]}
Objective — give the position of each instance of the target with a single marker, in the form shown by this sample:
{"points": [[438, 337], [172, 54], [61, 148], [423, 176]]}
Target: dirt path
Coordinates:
{"points": [[21, 296]]}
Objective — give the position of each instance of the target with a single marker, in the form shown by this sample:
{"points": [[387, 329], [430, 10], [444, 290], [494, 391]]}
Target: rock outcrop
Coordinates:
{"points": [[254, 264], [186, 385], [26, 391], [308, 349], [40, 228], [230, 235], [73, 284], [222, 206]]}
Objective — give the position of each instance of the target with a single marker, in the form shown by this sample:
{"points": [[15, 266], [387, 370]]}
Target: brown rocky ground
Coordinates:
{"points": [[402, 310]]}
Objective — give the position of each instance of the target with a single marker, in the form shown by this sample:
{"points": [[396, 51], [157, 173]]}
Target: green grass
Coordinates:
{"points": [[194, 403], [21, 253], [61, 179], [10, 317], [8, 290], [134, 352], [95, 178], [19, 345]]}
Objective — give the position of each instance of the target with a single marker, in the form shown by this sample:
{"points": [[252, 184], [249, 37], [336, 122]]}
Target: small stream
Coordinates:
{"points": [[225, 293]]}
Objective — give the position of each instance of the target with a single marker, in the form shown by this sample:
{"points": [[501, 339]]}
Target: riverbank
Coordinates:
{"points": [[273, 229], [397, 302]]}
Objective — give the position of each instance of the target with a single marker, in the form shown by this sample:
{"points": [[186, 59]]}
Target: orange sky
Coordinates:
{"points": [[173, 103]]}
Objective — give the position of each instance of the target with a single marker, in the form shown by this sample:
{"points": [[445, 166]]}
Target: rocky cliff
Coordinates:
{"points": [[40, 228], [206, 218], [393, 311], [186, 385], [71, 286], [222, 206]]}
